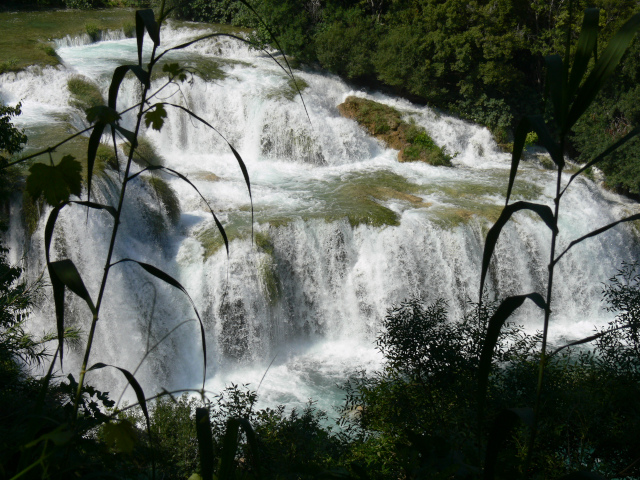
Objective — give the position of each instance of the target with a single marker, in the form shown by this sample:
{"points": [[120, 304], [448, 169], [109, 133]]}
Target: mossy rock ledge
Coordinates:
{"points": [[385, 123]]}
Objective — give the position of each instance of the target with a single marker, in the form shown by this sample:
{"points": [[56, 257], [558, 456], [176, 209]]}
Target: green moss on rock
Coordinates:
{"points": [[167, 196], [386, 124], [84, 93]]}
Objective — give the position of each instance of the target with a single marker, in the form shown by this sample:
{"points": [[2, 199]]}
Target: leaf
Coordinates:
{"points": [[68, 274], [497, 320], [602, 70], [585, 49], [557, 86], [55, 182], [120, 436], [92, 151], [230, 445], [543, 211], [60, 436], [155, 117], [175, 71], [156, 272], [245, 173], [146, 19], [102, 114], [596, 232], [612, 148], [527, 124], [128, 134], [119, 74], [205, 443], [243, 167], [218, 224], [504, 423], [56, 284]]}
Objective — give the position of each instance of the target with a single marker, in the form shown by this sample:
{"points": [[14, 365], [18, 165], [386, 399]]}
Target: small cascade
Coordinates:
{"points": [[341, 230]]}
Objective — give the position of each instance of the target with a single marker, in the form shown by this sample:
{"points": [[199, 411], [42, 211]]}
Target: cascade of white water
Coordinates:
{"points": [[342, 229]]}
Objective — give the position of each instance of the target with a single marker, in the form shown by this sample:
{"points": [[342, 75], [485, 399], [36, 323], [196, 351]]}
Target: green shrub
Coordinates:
{"points": [[93, 31]]}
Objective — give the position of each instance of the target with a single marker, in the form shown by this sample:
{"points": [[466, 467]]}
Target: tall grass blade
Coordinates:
{"points": [[146, 19], [243, 167], [585, 49], [602, 70], [497, 320], [527, 124], [128, 134], [92, 150], [57, 283], [205, 443], [604, 154], [230, 446], [140, 397], [156, 272], [543, 211], [245, 173], [119, 74], [594, 233], [182, 177], [66, 271], [556, 74]]}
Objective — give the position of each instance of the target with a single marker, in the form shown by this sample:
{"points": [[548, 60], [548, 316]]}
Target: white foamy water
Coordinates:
{"points": [[309, 294]]}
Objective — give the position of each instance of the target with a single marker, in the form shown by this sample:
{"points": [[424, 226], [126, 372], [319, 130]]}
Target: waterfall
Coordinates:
{"points": [[341, 231]]}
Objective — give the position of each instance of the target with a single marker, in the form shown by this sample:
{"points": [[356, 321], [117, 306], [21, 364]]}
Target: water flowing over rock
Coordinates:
{"points": [[342, 229]]}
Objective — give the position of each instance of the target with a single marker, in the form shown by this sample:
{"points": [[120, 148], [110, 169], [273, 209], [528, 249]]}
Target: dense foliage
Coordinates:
{"points": [[483, 60]]}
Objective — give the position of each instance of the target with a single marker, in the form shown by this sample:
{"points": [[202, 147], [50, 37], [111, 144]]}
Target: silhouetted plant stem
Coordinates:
{"points": [[547, 315], [114, 231]]}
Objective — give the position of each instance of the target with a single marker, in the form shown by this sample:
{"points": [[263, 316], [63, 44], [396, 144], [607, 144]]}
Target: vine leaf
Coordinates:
{"points": [[55, 182], [175, 71], [155, 117]]}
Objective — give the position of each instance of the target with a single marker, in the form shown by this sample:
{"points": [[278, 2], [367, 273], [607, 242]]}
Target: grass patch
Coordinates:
{"points": [[386, 124], [84, 93], [25, 35]]}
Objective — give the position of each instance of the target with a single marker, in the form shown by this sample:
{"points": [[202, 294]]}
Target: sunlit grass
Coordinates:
{"points": [[26, 36]]}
